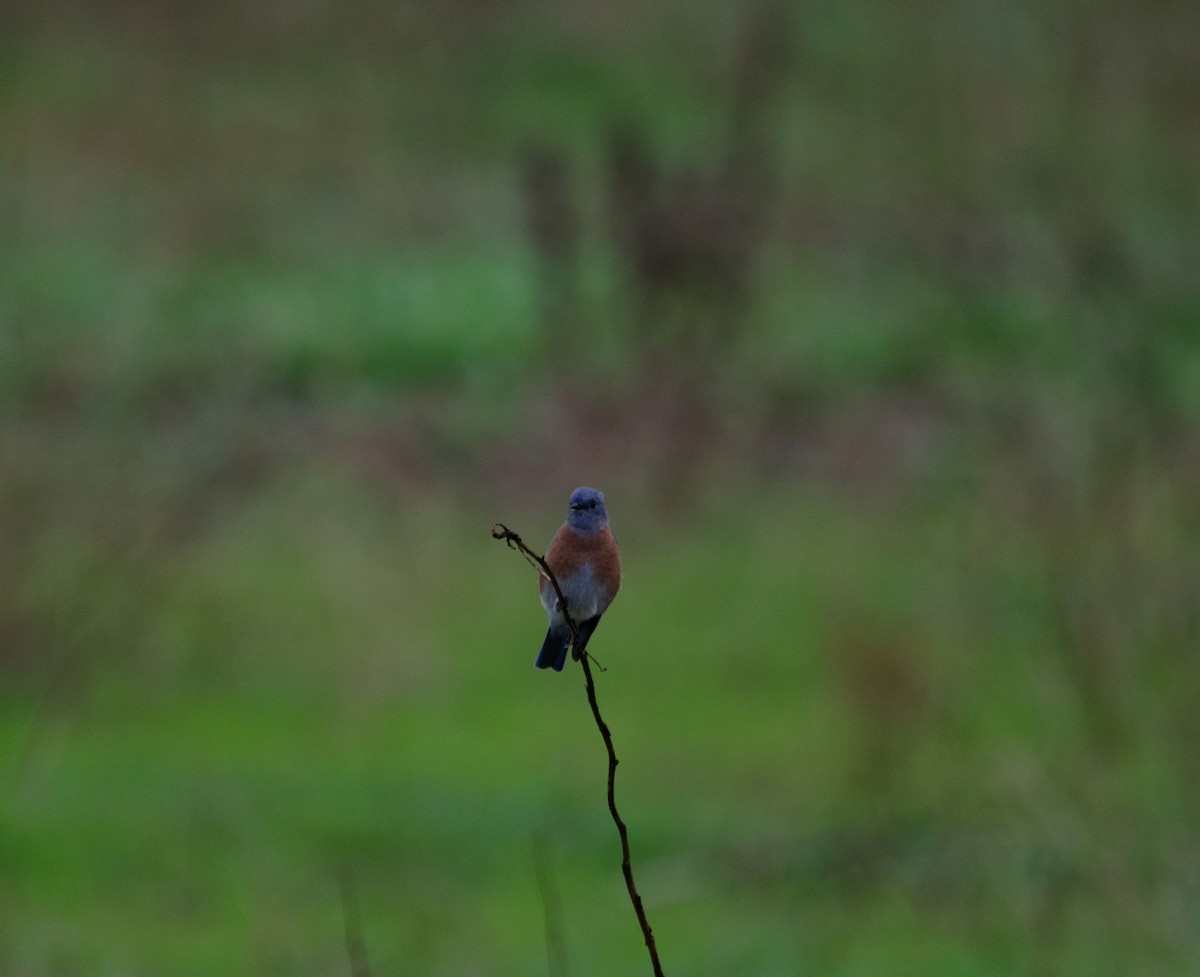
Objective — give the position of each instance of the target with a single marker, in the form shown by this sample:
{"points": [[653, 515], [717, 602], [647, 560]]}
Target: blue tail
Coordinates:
{"points": [[554, 650]]}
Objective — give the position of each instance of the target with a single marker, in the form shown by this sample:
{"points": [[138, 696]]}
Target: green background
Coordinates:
{"points": [[903, 676]]}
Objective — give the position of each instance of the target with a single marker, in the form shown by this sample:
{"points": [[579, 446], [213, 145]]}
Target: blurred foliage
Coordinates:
{"points": [[879, 325]]}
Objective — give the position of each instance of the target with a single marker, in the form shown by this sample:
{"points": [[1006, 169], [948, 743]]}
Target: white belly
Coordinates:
{"points": [[583, 596]]}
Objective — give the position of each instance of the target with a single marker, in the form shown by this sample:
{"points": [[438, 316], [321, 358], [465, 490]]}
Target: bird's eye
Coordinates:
{"points": [[592, 504]]}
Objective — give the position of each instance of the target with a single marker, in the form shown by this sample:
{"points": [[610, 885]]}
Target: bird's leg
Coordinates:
{"points": [[571, 626]]}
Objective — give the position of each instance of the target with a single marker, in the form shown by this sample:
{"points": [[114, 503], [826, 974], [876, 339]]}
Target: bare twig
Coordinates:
{"points": [[501, 531]]}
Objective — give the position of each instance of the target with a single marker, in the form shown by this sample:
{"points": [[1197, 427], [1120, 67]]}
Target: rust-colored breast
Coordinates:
{"points": [[570, 551]]}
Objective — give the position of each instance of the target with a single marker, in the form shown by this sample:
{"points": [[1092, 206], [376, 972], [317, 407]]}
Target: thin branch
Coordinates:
{"points": [[500, 531], [514, 542]]}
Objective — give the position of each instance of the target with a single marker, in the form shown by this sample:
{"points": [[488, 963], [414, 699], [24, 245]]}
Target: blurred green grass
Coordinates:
{"points": [[902, 677], [337, 678]]}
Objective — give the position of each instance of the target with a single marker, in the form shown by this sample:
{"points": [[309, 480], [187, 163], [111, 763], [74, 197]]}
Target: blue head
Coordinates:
{"points": [[587, 512]]}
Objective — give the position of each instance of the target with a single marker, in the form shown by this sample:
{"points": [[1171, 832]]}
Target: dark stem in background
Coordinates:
{"points": [[356, 949], [556, 944], [501, 531]]}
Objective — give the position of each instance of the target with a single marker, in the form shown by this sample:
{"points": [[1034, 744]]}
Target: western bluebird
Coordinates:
{"points": [[587, 565]]}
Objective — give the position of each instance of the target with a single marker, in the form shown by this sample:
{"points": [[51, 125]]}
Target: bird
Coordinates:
{"points": [[586, 562]]}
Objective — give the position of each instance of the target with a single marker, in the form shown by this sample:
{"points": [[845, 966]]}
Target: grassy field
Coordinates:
{"points": [[897, 423], [848, 746]]}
